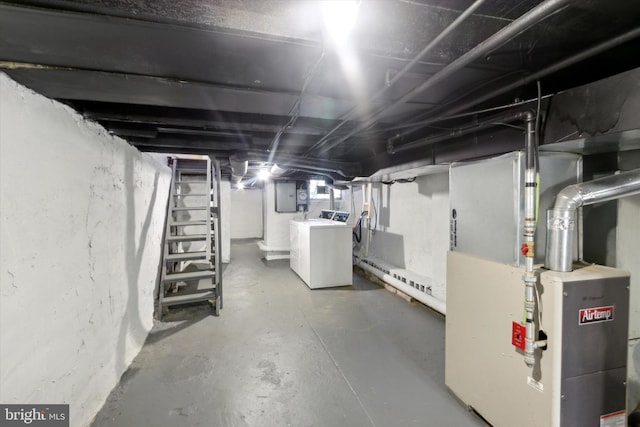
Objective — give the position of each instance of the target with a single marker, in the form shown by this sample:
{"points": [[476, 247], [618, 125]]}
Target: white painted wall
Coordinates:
{"points": [[246, 213], [412, 227], [82, 215]]}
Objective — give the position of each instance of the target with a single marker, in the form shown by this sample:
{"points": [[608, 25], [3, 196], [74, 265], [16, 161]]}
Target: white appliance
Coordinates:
{"points": [[578, 381], [320, 252]]}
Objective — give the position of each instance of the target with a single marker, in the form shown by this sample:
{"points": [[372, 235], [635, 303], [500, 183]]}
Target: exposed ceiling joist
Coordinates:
{"points": [[213, 76]]}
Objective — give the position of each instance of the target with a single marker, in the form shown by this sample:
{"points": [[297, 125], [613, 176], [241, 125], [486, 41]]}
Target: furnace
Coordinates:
{"points": [[578, 380]]}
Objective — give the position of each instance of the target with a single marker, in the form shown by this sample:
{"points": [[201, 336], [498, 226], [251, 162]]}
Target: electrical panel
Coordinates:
{"points": [[291, 196], [285, 196]]}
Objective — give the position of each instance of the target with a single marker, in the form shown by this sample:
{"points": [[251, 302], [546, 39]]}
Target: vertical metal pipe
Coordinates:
{"points": [[528, 248], [561, 225]]}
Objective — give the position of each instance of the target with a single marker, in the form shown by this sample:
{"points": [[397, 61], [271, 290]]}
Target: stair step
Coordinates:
{"points": [[186, 181], [186, 256], [187, 223], [189, 208], [202, 295], [191, 195], [186, 277], [192, 171], [187, 238]]}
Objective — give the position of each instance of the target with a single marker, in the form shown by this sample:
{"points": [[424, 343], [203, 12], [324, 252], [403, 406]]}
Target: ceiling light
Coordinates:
{"points": [[239, 185], [339, 18], [263, 174]]}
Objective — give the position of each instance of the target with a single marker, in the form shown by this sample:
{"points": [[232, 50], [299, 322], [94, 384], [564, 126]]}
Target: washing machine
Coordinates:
{"points": [[320, 250]]}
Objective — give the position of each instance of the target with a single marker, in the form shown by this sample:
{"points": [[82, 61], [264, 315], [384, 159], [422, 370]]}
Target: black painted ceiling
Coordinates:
{"points": [[260, 80]]}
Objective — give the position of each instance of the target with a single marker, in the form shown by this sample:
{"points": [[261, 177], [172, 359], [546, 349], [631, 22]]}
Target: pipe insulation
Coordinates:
{"points": [[561, 219], [427, 300]]}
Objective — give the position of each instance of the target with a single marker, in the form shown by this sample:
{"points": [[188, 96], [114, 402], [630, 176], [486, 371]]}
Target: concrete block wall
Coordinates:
{"points": [[81, 222]]}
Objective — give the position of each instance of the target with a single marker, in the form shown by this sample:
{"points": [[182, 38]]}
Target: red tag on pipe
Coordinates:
{"points": [[518, 335]]}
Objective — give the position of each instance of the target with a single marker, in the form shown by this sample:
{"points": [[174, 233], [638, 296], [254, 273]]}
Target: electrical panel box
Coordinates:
{"points": [[487, 203], [578, 381], [285, 196]]}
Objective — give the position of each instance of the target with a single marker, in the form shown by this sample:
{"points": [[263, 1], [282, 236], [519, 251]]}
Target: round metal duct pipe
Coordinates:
{"points": [[561, 219], [239, 168]]}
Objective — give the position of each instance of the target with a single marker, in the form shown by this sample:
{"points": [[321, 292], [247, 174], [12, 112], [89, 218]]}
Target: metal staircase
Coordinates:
{"points": [[191, 264]]}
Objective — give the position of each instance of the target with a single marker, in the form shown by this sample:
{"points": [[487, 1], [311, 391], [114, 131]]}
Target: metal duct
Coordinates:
{"points": [[345, 169], [277, 170], [561, 219], [239, 168]]}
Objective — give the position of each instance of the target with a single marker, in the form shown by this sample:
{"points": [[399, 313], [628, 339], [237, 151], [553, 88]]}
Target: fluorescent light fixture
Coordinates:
{"points": [[263, 174], [240, 185], [339, 18]]}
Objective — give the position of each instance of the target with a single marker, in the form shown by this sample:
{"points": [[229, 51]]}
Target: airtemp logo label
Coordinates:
{"points": [[587, 316]]}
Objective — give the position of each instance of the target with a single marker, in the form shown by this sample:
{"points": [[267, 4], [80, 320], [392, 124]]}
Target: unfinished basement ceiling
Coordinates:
{"points": [[262, 81]]}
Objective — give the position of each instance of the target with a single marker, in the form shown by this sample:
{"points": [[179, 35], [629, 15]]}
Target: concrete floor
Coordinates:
{"points": [[283, 355]]}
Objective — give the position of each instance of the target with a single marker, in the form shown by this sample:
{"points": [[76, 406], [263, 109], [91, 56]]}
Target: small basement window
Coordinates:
{"points": [[318, 189]]}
